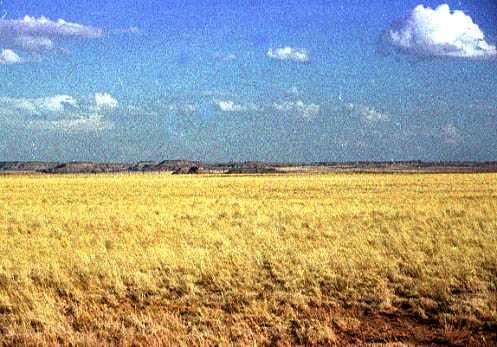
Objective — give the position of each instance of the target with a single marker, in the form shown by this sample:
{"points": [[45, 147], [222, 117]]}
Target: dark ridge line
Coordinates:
{"points": [[192, 167]]}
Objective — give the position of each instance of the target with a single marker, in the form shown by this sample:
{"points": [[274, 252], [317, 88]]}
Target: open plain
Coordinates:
{"points": [[301, 258]]}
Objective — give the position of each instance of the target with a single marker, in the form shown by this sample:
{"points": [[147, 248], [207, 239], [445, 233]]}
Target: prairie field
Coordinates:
{"points": [[290, 259]]}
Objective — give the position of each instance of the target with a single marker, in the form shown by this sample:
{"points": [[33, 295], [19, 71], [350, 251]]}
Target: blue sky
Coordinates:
{"points": [[248, 80]]}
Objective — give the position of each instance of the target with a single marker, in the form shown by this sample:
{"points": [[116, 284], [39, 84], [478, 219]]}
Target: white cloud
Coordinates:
{"points": [[56, 104], [451, 134], [225, 57], [33, 44], [186, 108], [229, 57], [441, 32], [32, 34], [133, 30], [49, 107], [231, 106], [130, 30], [294, 108], [298, 107], [59, 112], [8, 56], [160, 109], [44, 27], [105, 101], [293, 92], [300, 55], [367, 113]]}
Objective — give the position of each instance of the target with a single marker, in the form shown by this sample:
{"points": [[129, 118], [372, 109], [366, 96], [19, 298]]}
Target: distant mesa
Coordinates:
{"points": [[174, 165], [143, 166], [27, 166], [86, 167], [192, 170], [250, 167]]}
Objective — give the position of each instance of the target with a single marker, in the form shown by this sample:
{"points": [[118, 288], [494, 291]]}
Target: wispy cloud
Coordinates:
{"points": [[225, 57], [441, 32], [32, 34], [300, 55], [130, 30], [89, 123], [297, 107], [160, 108], [451, 134]]}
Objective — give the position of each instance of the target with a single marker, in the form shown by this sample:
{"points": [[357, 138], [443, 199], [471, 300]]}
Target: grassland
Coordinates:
{"points": [[248, 260]]}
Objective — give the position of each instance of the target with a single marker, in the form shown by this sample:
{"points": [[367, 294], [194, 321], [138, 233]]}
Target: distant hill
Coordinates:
{"points": [[29, 166], [87, 167], [174, 165], [196, 167]]}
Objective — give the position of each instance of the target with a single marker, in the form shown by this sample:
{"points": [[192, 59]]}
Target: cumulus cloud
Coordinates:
{"points": [[32, 34], [44, 27], [231, 106], [48, 107], [58, 103], [441, 32], [298, 107], [300, 55], [367, 113], [105, 101], [8, 56], [59, 112]]}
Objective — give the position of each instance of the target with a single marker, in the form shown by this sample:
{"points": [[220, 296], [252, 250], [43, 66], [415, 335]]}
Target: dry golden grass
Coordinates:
{"points": [[201, 260]]}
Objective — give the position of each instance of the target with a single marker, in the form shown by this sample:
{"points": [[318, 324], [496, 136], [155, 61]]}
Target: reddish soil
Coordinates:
{"points": [[381, 328]]}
